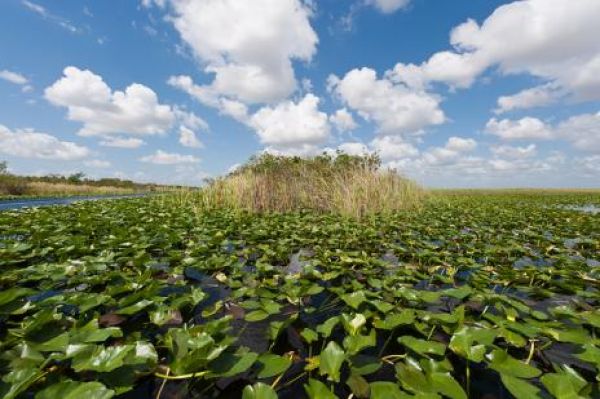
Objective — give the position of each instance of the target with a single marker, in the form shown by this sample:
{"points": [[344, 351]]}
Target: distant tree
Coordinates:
{"points": [[3, 168], [76, 177]]}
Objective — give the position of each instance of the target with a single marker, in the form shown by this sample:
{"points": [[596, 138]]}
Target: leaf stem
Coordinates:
{"points": [[181, 377]]}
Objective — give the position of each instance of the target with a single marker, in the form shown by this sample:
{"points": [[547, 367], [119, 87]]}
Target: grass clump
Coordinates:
{"points": [[344, 184]]}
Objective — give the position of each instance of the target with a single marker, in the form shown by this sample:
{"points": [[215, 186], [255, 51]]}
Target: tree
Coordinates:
{"points": [[3, 168], [76, 177]]}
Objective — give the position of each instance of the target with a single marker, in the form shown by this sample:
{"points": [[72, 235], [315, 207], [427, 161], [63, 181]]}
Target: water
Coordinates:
{"points": [[37, 202]]}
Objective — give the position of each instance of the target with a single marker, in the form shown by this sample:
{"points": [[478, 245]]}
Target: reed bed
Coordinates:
{"points": [[348, 185]]}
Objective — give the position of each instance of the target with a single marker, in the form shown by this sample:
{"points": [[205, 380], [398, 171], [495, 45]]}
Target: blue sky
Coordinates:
{"points": [[458, 93]]}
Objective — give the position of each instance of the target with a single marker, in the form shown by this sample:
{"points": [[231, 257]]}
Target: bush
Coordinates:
{"points": [[350, 185]]}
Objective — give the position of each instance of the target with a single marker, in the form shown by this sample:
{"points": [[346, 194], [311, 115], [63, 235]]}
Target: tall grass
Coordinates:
{"points": [[348, 185]]}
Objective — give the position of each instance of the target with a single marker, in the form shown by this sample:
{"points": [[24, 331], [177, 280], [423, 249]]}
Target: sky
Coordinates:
{"points": [[461, 93]]}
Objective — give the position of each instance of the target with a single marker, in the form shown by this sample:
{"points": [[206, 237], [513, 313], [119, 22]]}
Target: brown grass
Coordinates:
{"points": [[351, 186]]}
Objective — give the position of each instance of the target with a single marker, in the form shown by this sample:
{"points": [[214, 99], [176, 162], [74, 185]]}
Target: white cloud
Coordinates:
{"points": [[555, 40], [290, 124], [590, 166], [354, 148], [161, 157], [28, 143], [342, 120], [460, 144], [190, 120], [104, 112], [97, 163], [248, 46], [525, 128], [514, 152], [393, 147], [395, 108], [538, 96], [388, 6], [233, 108], [13, 77], [454, 149], [187, 138], [299, 150], [583, 131], [120, 142], [47, 15]]}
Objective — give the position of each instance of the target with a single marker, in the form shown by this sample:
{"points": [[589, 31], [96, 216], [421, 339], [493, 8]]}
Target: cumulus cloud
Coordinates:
{"points": [[525, 128], [583, 131], [354, 148], [120, 142], [394, 107], [291, 124], [248, 46], [455, 148], [161, 157], [555, 40], [538, 96], [28, 143], [393, 147], [343, 120], [187, 138], [511, 152], [104, 112]]}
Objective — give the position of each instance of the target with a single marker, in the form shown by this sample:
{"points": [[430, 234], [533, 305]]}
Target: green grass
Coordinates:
{"points": [[466, 296]]}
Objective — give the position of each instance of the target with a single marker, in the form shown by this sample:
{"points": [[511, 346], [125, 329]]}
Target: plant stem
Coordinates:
{"points": [[181, 377]]}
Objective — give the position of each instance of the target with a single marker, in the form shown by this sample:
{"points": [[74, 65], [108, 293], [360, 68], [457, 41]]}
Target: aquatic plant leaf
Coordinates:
{"points": [[423, 347], [69, 389], [386, 390], [353, 323], [520, 389], [503, 363], [309, 335], [272, 364], [19, 380], [591, 354], [331, 360], [259, 391], [102, 359], [354, 299], [355, 343], [394, 320], [230, 364], [565, 384], [136, 307], [359, 386], [257, 315], [471, 343], [315, 389]]}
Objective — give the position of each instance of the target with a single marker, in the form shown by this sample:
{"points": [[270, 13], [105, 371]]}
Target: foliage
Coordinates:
{"points": [[472, 295]]}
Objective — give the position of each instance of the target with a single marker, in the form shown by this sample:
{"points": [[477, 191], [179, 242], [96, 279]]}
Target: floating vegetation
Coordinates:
{"points": [[470, 296]]}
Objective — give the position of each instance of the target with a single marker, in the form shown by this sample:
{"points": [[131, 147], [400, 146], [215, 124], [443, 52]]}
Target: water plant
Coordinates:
{"points": [[467, 296]]}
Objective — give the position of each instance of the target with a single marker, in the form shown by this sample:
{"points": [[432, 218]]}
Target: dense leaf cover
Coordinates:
{"points": [[474, 294]]}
